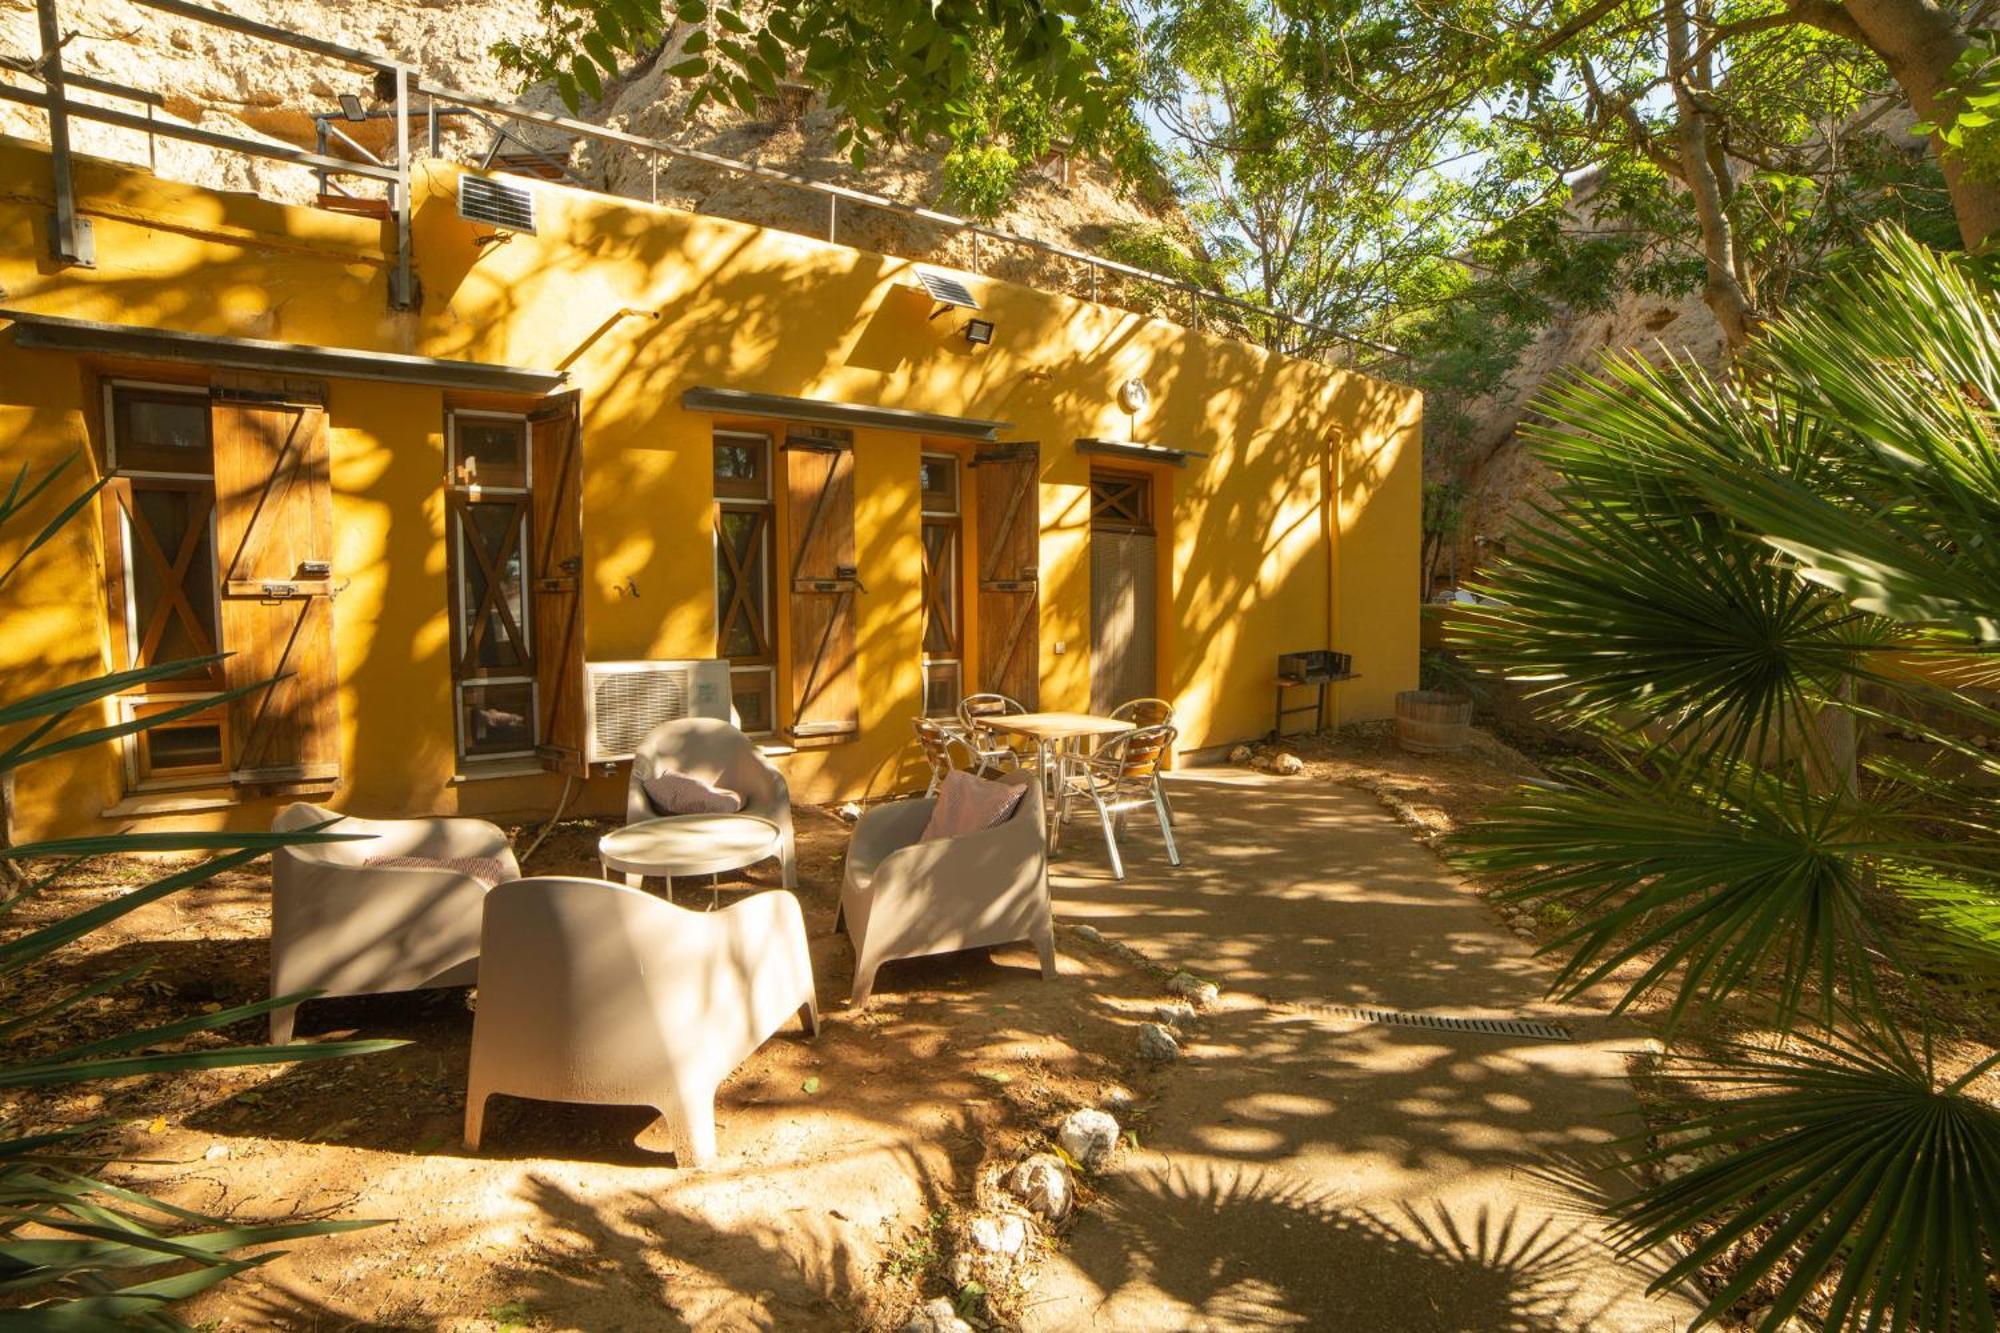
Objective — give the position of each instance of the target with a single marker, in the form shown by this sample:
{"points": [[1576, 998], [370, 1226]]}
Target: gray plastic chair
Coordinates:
{"points": [[710, 749], [343, 927], [595, 992], [904, 898]]}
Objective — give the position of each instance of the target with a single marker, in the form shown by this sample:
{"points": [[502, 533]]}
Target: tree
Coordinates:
{"points": [[1722, 564], [999, 83]]}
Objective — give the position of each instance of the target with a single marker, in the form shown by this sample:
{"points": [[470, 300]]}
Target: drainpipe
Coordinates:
{"points": [[1334, 456]]}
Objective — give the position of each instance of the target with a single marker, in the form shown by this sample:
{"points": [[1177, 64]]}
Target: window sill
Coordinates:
{"points": [[774, 749], [494, 769], [159, 804]]}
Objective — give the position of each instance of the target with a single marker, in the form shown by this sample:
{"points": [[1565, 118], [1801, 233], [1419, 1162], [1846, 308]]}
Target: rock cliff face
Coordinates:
{"points": [[221, 80], [1502, 477]]}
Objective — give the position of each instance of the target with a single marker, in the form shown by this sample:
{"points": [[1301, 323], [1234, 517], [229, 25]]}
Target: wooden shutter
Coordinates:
{"points": [[274, 542], [555, 542], [819, 483], [1010, 597]]}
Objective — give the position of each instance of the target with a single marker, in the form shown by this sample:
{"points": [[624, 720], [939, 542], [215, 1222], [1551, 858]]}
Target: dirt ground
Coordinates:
{"points": [[849, 1167], [848, 1164]]}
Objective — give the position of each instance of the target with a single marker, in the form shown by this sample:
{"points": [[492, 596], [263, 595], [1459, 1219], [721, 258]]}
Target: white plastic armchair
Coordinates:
{"points": [[343, 927], [712, 750], [904, 898], [594, 992]]}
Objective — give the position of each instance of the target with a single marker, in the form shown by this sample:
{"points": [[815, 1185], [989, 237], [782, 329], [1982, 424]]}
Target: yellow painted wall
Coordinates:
{"points": [[638, 304]]}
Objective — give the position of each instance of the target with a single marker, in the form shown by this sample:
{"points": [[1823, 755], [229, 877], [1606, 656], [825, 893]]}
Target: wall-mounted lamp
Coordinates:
{"points": [[979, 332], [351, 108]]}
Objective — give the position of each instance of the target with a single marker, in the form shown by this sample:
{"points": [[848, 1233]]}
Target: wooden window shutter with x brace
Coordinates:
{"points": [[274, 543], [819, 484], [1010, 590], [556, 547]]}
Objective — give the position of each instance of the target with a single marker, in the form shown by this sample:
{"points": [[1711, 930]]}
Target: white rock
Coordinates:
{"points": [[1090, 934], [1240, 754], [961, 1269], [1118, 1098], [1262, 763], [1178, 1015], [1157, 1043], [849, 812], [1088, 1137], [1193, 989], [216, 1152], [938, 1316], [1288, 765], [1042, 1184], [999, 1235]]}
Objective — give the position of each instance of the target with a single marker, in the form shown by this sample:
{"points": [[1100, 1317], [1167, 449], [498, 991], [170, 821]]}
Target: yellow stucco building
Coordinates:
{"points": [[635, 433]]}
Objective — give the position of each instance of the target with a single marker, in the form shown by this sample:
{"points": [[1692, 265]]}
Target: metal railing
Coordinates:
{"points": [[398, 84]]}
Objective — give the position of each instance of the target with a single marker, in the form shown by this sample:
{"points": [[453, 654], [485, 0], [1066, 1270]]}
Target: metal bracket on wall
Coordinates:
{"points": [[71, 243]]}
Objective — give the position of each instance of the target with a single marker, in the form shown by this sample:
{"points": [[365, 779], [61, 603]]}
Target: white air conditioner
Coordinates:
{"points": [[623, 701]]}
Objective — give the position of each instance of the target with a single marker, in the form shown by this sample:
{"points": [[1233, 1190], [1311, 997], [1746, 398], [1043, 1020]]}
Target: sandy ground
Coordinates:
{"points": [[1295, 1170], [817, 1214]]}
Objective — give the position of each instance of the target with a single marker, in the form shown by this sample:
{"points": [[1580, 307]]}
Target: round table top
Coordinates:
{"points": [[689, 844], [1055, 726]]}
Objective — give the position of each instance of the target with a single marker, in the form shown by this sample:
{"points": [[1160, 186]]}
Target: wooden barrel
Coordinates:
{"points": [[1432, 721]]}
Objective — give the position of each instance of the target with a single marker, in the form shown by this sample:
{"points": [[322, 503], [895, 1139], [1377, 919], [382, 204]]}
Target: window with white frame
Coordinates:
{"points": [[488, 504]]}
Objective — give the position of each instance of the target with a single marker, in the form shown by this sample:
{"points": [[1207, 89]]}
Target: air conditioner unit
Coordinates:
{"points": [[623, 701]]}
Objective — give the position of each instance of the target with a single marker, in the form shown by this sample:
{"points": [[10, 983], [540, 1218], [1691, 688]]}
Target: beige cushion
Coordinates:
{"points": [[967, 804], [684, 794]]}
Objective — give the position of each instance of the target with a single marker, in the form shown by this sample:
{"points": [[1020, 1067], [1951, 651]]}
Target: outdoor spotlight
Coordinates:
{"points": [[979, 332], [351, 108]]}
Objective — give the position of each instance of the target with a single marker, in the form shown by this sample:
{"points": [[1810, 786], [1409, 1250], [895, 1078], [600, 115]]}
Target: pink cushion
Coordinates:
{"points": [[683, 794], [967, 804], [486, 869]]}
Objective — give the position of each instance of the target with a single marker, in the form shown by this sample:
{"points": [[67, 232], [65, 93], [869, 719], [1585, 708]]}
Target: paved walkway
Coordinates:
{"points": [[1301, 1170]]}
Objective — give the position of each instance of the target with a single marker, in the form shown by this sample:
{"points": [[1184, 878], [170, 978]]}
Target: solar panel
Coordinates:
{"points": [[946, 289], [496, 203]]}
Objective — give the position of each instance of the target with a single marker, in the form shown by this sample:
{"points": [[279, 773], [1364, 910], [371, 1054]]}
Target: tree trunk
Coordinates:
{"points": [[1919, 42], [1723, 289]]}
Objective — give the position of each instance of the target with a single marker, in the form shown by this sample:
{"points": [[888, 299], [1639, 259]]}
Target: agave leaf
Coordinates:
{"points": [[72, 1071]]}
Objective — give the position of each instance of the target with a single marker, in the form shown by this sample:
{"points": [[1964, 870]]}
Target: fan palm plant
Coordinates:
{"points": [[77, 1250], [1728, 579]]}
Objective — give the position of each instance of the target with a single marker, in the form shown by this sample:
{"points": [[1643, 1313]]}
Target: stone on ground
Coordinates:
{"points": [[1193, 989], [1000, 1234], [938, 1316], [1042, 1184], [1089, 1137], [1156, 1042]]}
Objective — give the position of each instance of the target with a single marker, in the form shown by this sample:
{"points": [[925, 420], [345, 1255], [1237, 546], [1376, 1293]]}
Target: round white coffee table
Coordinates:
{"points": [[687, 845]]}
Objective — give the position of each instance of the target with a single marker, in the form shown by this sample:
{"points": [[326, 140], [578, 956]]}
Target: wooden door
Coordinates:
{"points": [[819, 484], [555, 443], [1010, 599], [274, 539], [1124, 589]]}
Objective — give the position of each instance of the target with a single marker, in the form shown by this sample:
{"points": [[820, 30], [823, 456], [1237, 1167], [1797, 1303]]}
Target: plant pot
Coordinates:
{"points": [[1433, 721]]}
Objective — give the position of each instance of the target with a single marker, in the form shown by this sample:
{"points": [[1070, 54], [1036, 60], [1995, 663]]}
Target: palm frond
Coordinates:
{"points": [[1710, 891], [1845, 1161]]}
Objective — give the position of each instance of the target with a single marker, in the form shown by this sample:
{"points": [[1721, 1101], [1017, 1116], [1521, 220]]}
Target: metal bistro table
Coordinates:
{"points": [[1055, 734], [687, 845]]}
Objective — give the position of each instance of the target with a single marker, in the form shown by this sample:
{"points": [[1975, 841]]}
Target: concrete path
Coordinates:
{"points": [[1301, 1170]]}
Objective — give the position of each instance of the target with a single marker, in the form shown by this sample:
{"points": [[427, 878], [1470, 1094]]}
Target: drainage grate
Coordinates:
{"points": [[1492, 1027]]}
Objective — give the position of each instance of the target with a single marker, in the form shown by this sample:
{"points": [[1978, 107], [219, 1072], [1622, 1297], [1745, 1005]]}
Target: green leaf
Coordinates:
{"points": [[689, 69], [586, 77], [1847, 1167]]}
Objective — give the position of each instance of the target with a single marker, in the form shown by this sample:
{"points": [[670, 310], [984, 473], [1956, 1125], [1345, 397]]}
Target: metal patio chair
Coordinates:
{"points": [[1149, 713], [973, 709], [944, 744], [1120, 776]]}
